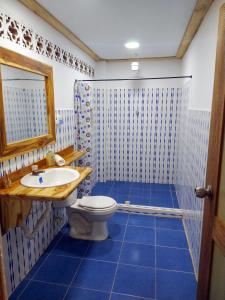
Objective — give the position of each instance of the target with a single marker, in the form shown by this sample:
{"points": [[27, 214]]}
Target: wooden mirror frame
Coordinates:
{"points": [[14, 59]]}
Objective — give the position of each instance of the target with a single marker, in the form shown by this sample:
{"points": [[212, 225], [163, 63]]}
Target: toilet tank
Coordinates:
{"points": [[71, 199]]}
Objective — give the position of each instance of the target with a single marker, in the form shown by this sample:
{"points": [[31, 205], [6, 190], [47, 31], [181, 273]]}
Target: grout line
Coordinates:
{"points": [[190, 251], [132, 296], [77, 269], [157, 228], [171, 195], [177, 271], [50, 282], [44, 260], [114, 279]]}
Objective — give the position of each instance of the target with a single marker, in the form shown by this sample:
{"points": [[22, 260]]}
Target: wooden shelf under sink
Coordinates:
{"points": [[16, 200]]}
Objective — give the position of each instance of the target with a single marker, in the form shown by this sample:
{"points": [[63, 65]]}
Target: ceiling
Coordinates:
{"points": [[105, 25]]}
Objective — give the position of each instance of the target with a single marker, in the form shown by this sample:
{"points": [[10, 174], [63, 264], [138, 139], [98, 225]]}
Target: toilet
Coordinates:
{"points": [[88, 216]]}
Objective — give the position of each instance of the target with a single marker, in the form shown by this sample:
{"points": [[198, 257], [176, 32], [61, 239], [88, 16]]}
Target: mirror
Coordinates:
{"points": [[27, 117], [24, 100]]}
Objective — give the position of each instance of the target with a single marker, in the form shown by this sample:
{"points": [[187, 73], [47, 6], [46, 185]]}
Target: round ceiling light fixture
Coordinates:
{"points": [[132, 45]]}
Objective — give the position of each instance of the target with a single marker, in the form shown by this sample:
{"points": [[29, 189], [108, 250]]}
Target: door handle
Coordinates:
{"points": [[202, 192]]}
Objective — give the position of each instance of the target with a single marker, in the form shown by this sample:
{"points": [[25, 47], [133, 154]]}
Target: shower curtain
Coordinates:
{"points": [[85, 133]]}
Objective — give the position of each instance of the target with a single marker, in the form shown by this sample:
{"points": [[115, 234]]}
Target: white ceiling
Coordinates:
{"points": [[105, 25]]}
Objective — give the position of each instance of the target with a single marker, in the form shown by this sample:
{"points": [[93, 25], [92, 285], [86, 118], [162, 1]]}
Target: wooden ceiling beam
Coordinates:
{"points": [[112, 60], [199, 12], [56, 24]]}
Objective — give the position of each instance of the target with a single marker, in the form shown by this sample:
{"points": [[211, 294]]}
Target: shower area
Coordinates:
{"points": [[147, 148], [131, 136]]}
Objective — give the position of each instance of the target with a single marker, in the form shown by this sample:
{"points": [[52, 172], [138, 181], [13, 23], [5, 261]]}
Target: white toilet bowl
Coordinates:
{"points": [[88, 216]]}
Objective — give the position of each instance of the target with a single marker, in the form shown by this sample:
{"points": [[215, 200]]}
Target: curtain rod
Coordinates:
{"points": [[127, 79]]}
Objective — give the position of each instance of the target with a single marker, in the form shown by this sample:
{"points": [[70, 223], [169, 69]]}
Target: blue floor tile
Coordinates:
{"points": [[96, 275], [144, 192], [138, 254], [107, 250], [125, 297], [172, 187], [161, 195], [139, 200], [171, 238], [43, 291], [140, 186], [162, 203], [127, 184], [133, 280], [160, 187], [173, 259], [83, 294], [169, 223], [120, 198], [69, 246], [18, 291], [172, 285], [175, 201], [101, 188], [58, 269], [123, 189], [119, 218], [142, 235], [141, 220], [116, 231], [100, 192], [37, 265], [104, 185]]}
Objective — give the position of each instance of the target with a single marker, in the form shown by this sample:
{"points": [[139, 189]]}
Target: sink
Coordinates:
{"points": [[50, 178]]}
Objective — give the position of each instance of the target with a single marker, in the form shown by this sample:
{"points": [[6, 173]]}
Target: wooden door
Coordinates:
{"points": [[211, 282]]}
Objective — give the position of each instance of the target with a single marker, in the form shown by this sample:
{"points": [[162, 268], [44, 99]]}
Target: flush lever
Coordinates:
{"points": [[202, 192]]}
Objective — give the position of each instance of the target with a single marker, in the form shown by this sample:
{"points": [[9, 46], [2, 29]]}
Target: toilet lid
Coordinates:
{"points": [[96, 202]]}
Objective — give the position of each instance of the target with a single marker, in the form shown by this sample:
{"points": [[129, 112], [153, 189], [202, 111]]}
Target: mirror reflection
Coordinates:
{"points": [[24, 99]]}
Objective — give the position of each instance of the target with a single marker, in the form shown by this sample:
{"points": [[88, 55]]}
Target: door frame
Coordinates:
{"points": [[215, 150], [3, 285]]}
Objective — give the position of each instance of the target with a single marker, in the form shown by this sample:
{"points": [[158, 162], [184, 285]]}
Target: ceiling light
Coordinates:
{"points": [[135, 66], [132, 45]]}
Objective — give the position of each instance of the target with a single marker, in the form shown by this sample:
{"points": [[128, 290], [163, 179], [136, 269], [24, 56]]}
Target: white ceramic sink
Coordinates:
{"points": [[50, 178]]}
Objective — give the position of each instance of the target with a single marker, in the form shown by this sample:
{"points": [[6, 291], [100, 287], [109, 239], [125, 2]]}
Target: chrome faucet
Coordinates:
{"points": [[36, 171]]}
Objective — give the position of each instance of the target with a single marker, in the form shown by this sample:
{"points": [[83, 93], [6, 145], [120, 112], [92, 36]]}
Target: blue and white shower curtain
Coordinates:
{"points": [[85, 128]]}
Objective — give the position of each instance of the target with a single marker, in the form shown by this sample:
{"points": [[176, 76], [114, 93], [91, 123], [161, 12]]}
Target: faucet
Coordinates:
{"points": [[35, 171]]}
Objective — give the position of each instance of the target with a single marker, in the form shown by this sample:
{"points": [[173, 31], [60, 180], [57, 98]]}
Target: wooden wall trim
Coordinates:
{"points": [[195, 21], [200, 10], [140, 59], [56, 24]]}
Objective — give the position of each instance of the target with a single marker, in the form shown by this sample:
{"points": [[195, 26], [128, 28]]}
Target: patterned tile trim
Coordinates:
{"points": [[18, 33]]}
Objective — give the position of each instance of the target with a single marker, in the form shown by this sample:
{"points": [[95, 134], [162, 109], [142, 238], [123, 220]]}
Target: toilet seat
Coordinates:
{"points": [[97, 203]]}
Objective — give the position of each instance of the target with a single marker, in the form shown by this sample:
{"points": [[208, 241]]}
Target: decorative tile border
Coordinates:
{"points": [[20, 34]]}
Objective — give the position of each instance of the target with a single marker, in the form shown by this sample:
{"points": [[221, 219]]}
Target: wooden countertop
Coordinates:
{"points": [[17, 190]]}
